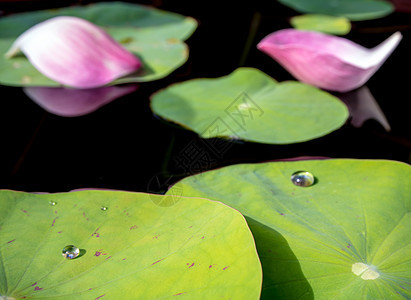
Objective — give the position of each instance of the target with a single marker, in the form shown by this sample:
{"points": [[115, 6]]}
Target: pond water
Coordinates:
{"points": [[122, 145]]}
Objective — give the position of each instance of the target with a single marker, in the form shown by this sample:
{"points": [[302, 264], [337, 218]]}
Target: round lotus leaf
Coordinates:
{"points": [[322, 23], [250, 105], [355, 10], [121, 245], [155, 36], [345, 236]]}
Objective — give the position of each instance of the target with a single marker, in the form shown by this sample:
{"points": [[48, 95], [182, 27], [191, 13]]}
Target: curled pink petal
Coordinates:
{"points": [[75, 52], [68, 102], [326, 61]]}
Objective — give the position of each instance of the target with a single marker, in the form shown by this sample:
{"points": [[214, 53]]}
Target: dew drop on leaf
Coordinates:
{"points": [[52, 203], [104, 208], [365, 271], [70, 252], [302, 178]]}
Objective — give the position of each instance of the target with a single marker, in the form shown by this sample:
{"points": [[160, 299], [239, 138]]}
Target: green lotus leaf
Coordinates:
{"points": [[250, 105], [322, 23], [356, 10], [347, 236], [155, 36], [130, 248]]}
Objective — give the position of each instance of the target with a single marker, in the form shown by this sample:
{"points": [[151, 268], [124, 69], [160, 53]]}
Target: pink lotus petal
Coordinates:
{"points": [[67, 102], [326, 61], [75, 52], [363, 106]]}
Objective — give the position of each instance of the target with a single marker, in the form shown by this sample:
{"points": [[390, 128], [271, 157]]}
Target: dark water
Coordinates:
{"points": [[123, 146]]}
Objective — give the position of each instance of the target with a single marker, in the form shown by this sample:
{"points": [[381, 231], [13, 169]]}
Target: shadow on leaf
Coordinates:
{"points": [[282, 274]]}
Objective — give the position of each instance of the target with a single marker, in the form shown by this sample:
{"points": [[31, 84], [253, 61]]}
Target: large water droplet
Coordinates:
{"points": [[52, 203], [302, 178], [70, 252], [104, 208]]}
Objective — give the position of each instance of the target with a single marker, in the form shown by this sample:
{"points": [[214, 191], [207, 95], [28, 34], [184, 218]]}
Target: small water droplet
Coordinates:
{"points": [[52, 203], [26, 79], [104, 208], [302, 178], [70, 252]]}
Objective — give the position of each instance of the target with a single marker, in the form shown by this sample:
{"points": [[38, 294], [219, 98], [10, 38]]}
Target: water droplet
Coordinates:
{"points": [[70, 252], [52, 203], [25, 79], [367, 272], [104, 208], [302, 178]]}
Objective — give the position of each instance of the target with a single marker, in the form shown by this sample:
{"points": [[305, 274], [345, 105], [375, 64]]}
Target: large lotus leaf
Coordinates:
{"points": [[250, 105], [345, 237], [135, 249], [355, 10], [322, 23], [155, 36]]}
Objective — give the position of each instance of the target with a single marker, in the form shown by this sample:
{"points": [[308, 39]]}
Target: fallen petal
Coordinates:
{"points": [[326, 61], [68, 102], [75, 52], [363, 106]]}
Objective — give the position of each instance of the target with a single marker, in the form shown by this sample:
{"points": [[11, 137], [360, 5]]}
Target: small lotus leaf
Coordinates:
{"points": [[347, 236], [155, 36], [250, 105], [356, 10], [130, 247], [322, 23]]}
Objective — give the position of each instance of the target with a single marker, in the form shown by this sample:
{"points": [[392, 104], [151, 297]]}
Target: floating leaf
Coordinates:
{"points": [[355, 10], [250, 105], [153, 35], [347, 236], [133, 248], [322, 23]]}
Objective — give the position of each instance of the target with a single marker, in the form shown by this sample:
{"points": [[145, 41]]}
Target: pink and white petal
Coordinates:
{"points": [[75, 52], [67, 102], [326, 61]]}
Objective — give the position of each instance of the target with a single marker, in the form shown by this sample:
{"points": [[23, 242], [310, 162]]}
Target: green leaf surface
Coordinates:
{"points": [[322, 23], [135, 249], [356, 10], [155, 36], [250, 105], [311, 239]]}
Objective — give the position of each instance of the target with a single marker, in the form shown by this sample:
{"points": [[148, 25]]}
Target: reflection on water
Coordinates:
{"points": [[402, 5], [363, 106], [67, 102]]}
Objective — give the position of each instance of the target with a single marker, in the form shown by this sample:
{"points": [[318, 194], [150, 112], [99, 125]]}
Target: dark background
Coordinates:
{"points": [[124, 146]]}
